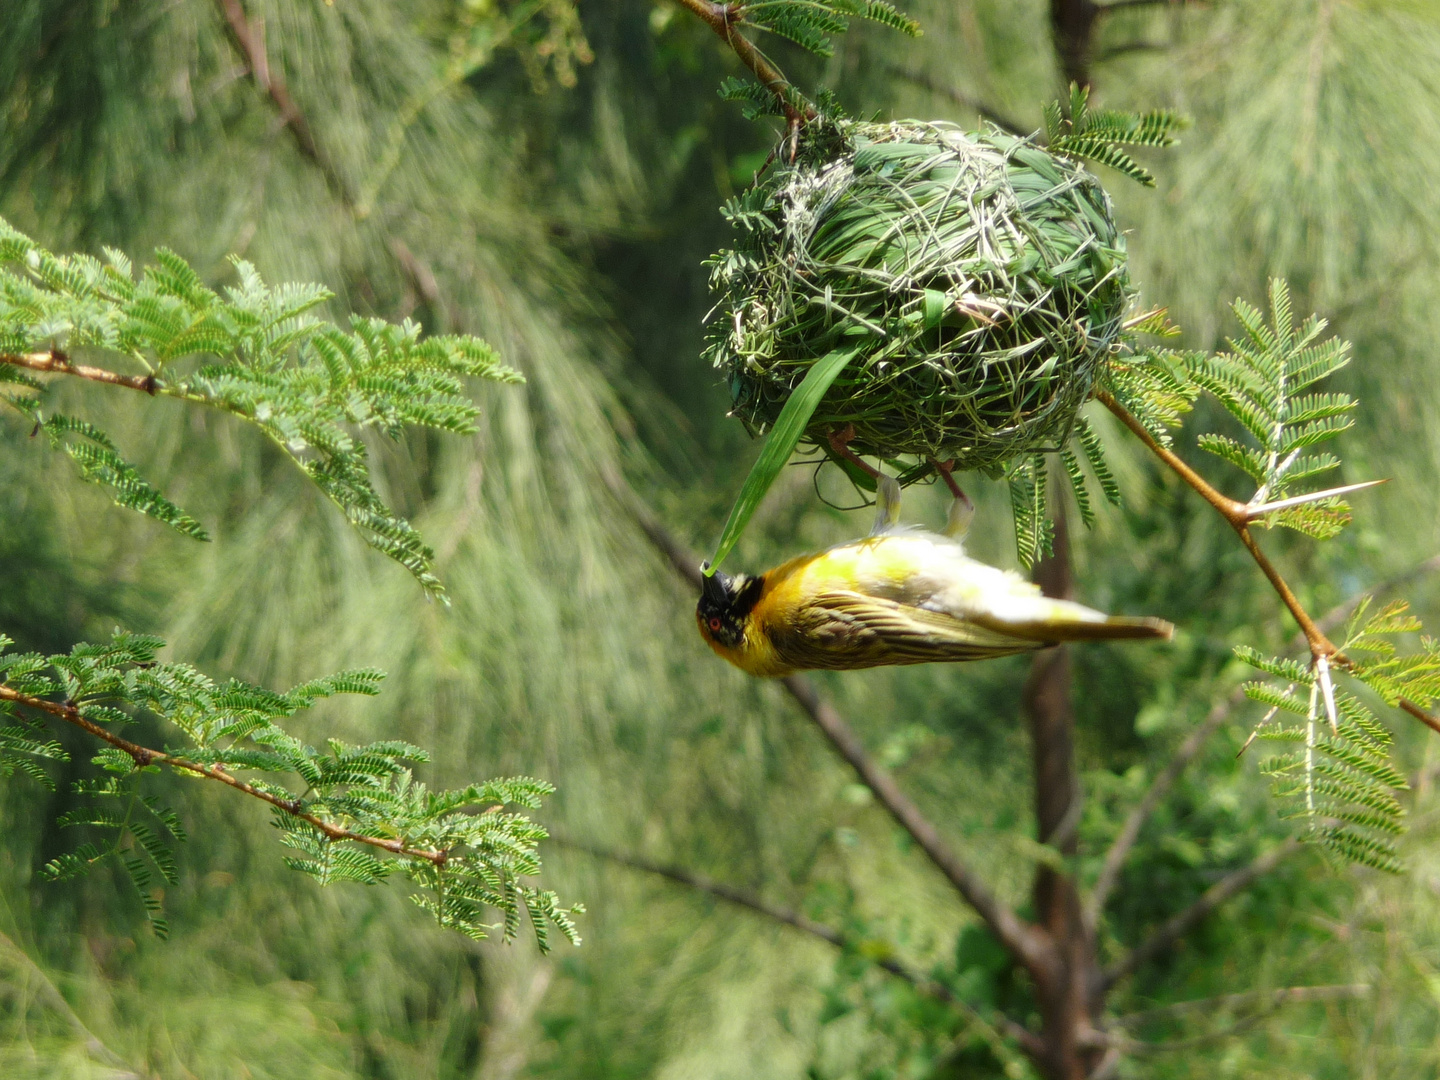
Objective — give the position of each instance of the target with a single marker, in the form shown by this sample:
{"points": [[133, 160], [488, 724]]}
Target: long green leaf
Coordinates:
{"points": [[779, 445]]}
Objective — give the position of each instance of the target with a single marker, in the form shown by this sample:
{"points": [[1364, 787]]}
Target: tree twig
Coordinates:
{"points": [[1272, 1002], [1237, 515], [733, 894], [1178, 925], [144, 755], [1419, 714], [1125, 839], [1025, 941], [251, 43], [1230, 1001], [723, 20], [790, 917], [56, 362]]}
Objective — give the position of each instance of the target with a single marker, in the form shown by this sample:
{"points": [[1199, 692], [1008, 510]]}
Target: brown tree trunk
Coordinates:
{"points": [[1072, 22], [1070, 1000]]}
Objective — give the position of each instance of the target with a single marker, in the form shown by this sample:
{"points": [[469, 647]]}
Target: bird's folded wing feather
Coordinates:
{"points": [[847, 629]]}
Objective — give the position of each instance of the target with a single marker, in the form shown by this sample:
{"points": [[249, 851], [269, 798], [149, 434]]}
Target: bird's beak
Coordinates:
{"points": [[716, 587]]}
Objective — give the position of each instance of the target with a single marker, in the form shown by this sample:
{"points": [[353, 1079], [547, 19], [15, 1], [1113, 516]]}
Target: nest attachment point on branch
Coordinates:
{"points": [[982, 278]]}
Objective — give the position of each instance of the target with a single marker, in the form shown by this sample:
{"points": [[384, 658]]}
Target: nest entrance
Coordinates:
{"points": [[983, 280]]}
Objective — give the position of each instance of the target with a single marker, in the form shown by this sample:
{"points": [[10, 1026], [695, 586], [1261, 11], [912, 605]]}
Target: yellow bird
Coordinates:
{"points": [[899, 596]]}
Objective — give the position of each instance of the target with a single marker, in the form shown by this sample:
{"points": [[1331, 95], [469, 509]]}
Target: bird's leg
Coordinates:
{"points": [[887, 491], [957, 521], [840, 443]]}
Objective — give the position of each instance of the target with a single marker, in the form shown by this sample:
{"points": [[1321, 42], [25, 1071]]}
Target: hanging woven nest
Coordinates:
{"points": [[982, 279]]}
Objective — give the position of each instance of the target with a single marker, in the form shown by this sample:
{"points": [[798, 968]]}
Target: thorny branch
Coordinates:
{"points": [[1239, 516], [723, 19], [1124, 841], [144, 756], [53, 361]]}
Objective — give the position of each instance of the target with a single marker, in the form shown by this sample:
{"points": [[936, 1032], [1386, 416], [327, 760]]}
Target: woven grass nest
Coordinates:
{"points": [[982, 279]]}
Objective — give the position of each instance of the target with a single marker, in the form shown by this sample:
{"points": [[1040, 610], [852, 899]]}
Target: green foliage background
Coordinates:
{"points": [[564, 196]]}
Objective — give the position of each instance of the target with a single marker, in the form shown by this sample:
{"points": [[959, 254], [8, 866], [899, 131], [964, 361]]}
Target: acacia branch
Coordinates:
{"points": [[1124, 841], [1177, 926], [1027, 1039], [144, 756], [1029, 944], [723, 19], [251, 42], [55, 362], [1420, 714], [1238, 515]]}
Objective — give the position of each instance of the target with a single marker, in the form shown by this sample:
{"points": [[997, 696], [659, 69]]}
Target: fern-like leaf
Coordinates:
{"points": [[1098, 135], [258, 352], [467, 848]]}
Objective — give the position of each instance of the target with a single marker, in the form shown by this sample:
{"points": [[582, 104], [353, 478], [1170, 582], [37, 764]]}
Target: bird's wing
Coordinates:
{"points": [[843, 629], [930, 575]]}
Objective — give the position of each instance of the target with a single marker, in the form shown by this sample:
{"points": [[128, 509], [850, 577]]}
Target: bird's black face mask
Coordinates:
{"points": [[725, 603]]}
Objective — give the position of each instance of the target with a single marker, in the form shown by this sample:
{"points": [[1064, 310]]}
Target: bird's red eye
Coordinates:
{"points": [[715, 624]]}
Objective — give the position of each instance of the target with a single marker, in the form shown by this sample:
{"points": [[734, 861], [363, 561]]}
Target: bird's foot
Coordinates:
{"points": [[887, 504], [957, 521]]}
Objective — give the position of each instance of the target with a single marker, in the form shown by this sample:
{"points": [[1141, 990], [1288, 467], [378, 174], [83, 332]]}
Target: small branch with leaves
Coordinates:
{"points": [[1342, 777], [360, 815], [259, 353], [809, 24]]}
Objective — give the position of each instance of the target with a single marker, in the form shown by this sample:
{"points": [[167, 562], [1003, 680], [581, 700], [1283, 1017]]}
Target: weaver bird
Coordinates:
{"points": [[901, 595]]}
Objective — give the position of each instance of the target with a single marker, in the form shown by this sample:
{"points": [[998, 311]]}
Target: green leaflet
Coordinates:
{"points": [[779, 445], [367, 790], [261, 355]]}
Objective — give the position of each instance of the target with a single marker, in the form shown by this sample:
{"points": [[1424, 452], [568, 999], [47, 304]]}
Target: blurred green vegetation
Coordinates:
{"points": [[561, 188]]}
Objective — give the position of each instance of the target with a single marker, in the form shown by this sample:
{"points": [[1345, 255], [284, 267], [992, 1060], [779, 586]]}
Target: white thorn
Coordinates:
{"points": [[1263, 721], [1310, 753], [1327, 686], [1252, 512]]}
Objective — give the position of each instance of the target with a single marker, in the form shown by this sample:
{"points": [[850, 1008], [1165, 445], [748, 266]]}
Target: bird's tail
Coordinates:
{"points": [[1043, 619], [1114, 628]]}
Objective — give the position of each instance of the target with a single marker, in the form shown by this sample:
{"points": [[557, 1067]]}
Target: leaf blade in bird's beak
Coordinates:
{"points": [[780, 444]]}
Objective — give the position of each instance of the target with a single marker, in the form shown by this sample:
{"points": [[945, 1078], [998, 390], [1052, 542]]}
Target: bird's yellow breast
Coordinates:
{"points": [[866, 566], [875, 566]]}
